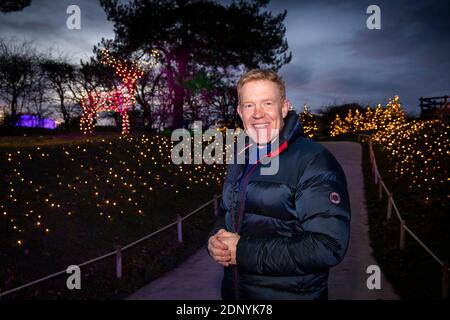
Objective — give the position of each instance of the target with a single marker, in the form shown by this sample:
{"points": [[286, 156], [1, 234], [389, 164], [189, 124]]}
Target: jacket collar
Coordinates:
{"points": [[292, 129]]}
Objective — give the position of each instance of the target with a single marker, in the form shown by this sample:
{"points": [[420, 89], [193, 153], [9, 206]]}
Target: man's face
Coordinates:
{"points": [[262, 110]]}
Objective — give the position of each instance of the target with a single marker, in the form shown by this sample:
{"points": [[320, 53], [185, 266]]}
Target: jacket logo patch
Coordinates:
{"points": [[335, 198]]}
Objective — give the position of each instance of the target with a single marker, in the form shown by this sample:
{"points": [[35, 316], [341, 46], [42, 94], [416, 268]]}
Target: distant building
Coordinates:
{"points": [[31, 121]]}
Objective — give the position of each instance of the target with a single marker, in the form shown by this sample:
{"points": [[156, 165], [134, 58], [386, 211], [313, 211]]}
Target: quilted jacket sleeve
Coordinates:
{"points": [[323, 208]]}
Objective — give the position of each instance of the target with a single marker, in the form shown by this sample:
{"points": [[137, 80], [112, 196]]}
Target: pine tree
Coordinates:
{"points": [[348, 123], [377, 118], [358, 121], [337, 127], [369, 123], [309, 122], [396, 112]]}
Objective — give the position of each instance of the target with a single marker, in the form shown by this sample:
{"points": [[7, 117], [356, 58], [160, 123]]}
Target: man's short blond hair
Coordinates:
{"points": [[261, 74]]}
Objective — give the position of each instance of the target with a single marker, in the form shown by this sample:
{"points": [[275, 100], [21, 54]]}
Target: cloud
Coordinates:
{"points": [[44, 22], [336, 59], [348, 62], [296, 75]]}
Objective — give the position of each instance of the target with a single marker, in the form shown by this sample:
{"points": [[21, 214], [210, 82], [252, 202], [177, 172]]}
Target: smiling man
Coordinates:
{"points": [[262, 107], [277, 235]]}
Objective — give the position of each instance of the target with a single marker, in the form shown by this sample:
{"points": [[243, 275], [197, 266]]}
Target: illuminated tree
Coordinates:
{"points": [[391, 116], [368, 124], [397, 115], [309, 121], [377, 118], [337, 127], [348, 122], [358, 121]]}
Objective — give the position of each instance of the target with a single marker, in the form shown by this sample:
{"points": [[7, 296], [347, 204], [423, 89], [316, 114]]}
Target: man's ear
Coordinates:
{"points": [[239, 111], [285, 108]]}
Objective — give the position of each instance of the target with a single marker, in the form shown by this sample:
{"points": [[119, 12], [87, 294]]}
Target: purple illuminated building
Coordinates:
{"points": [[34, 122]]}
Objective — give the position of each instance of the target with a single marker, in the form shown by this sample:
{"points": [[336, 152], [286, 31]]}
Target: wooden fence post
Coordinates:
{"points": [[444, 294], [179, 229], [118, 261], [402, 234], [216, 206], [389, 208]]}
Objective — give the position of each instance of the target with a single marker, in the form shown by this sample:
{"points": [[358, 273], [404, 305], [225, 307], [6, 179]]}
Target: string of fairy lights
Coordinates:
{"points": [[417, 151], [108, 178], [382, 118], [309, 122]]}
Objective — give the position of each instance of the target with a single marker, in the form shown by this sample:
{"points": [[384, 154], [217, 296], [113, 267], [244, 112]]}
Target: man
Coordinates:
{"points": [[277, 235]]}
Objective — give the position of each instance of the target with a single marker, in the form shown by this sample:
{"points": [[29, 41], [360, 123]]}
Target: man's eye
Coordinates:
{"points": [[268, 104], [247, 105]]}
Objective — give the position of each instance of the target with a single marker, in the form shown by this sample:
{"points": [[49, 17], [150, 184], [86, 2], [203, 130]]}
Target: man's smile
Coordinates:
{"points": [[261, 125]]}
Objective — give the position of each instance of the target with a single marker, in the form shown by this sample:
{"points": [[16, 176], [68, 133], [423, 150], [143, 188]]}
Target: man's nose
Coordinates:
{"points": [[258, 112]]}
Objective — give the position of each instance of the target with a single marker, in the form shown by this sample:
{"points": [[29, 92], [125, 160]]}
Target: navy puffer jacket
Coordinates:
{"points": [[293, 225]]}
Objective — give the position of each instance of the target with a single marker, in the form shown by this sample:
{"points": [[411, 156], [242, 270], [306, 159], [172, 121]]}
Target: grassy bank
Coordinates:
{"points": [[65, 200], [412, 271]]}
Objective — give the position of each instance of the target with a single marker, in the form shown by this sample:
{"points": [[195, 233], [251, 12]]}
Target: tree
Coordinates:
{"points": [[348, 122], [38, 96], [194, 35], [17, 61], [369, 123], [328, 113], [91, 77], [226, 102], [60, 73], [397, 114], [378, 117], [147, 85], [358, 121], [309, 122], [337, 127], [13, 5]]}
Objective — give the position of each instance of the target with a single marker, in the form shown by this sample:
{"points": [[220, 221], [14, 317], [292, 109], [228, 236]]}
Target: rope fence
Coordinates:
{"points": [[119, 249], [403, 226]]}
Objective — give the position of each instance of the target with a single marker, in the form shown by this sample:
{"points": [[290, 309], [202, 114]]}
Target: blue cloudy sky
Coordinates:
{"points": [[336, 59]]}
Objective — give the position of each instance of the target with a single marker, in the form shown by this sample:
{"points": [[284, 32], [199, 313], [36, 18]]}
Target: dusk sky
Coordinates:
{"points": [[336, 58]]}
